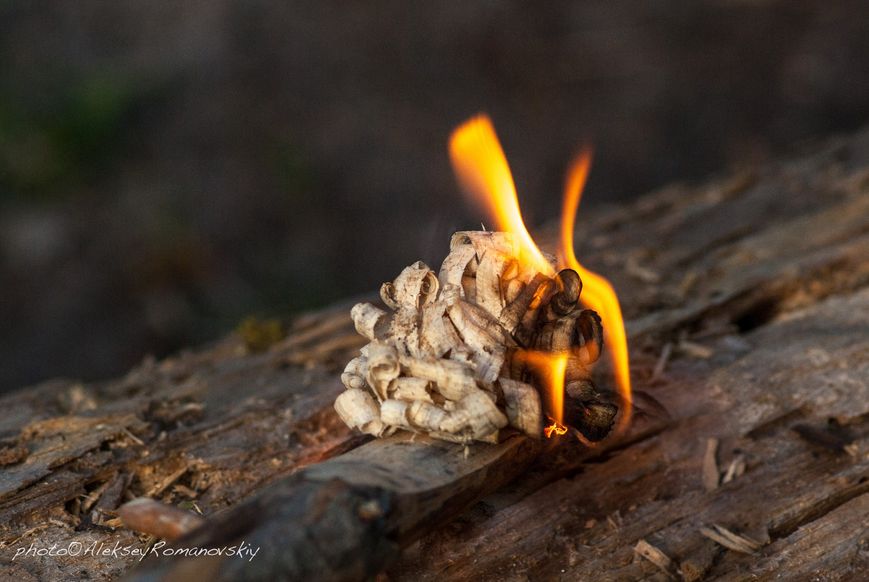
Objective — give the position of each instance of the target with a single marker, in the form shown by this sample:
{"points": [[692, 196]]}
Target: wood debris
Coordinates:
{"points": [[735, 469], [161, 486], [448, 355], [663, 360], [732, 541], [695, 350], [655, 556], [711, 474]]}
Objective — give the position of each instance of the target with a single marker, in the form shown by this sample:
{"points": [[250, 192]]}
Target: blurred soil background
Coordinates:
{"points": [[169, 168]]}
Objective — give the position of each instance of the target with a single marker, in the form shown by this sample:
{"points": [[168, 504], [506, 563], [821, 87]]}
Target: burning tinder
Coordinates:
{"points": [[496, 338]]}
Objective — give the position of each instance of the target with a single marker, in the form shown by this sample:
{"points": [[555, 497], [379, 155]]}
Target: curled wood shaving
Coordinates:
{"points": [[442, 360]]}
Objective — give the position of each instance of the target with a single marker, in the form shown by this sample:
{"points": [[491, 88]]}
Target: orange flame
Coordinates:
{"points": [[482, 169], [556, 428], [597, 293], [550, 369]]}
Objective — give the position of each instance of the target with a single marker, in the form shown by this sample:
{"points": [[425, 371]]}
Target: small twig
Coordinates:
{"points": [[133, 437], [169, 480], [94, 496], [663, 359]]}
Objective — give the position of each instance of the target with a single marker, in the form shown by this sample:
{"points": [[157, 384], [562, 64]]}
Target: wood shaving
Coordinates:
{"points": [[441, 359]]}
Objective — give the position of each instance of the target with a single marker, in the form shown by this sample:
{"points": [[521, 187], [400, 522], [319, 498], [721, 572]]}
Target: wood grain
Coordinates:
{"points": [[765, 270]]}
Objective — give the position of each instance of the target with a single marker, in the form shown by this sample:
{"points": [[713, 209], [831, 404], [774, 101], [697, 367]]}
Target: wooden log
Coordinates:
{"points": [[346, 518], [757, 282]]}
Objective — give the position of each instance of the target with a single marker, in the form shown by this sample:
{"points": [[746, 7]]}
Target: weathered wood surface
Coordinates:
{"points": [[345, 518], [758, 284]]}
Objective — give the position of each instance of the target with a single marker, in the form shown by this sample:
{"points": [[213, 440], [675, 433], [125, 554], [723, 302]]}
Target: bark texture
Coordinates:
{"points": [[748, 315]]}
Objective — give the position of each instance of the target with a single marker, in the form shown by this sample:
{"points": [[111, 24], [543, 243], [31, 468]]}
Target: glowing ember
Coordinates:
{"points": [[550, 369], [556, 428], [597, 293]]}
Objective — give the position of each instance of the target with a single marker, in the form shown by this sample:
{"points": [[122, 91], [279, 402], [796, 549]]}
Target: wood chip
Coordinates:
{"points": [[735, 469], [730, 540], [695, 350], [655, 556], [711, 474]]}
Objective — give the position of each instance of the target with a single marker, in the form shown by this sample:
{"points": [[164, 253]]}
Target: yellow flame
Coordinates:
{"points": [[556, 428], [597, 293], [482, 169], [550, 369]]}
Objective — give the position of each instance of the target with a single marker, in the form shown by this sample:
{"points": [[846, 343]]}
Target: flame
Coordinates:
{"points": [[597, 293], [550, 369], [556, 428], [482, 169]]}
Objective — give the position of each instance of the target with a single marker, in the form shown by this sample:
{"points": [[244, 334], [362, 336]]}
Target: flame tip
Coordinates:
{"points": [[482, 169]]}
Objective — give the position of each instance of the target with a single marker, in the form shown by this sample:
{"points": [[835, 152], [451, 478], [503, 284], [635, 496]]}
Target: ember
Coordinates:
{"points": [[460, 352], [556, 428]]}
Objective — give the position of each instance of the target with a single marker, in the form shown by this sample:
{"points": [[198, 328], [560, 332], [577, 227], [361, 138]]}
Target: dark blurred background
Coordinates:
{"points": [[169, 168]]}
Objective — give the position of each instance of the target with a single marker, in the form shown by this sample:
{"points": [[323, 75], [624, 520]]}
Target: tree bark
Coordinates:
{"points": [[747, 308]]}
